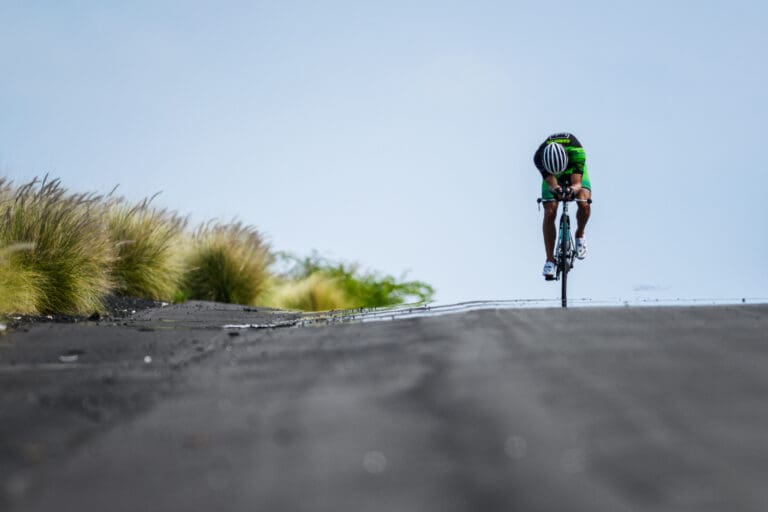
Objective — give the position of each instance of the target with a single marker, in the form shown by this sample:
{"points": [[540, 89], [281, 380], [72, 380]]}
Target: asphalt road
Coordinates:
{"points": [[612, 409]]}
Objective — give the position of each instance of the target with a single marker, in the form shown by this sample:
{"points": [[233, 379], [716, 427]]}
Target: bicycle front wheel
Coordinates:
{"points": [[564, 276], [565, 256]]}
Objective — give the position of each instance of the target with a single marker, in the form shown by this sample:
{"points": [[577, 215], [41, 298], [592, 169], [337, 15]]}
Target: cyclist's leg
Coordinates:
{"points": [[584, 209], [548, 227]]}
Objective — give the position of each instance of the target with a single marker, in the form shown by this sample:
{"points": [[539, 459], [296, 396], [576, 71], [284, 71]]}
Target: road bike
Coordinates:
{"points": [[565, 251]]}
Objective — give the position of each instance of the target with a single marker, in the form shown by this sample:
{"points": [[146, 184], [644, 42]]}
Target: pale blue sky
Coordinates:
{"points": [[400, 134]]}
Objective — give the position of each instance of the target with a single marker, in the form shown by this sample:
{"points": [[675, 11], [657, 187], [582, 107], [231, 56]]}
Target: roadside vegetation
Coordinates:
{"points": [[65, 253], [226, 263], [357, 288], [19, 292], [59, 241], [148, 244], [316, 292]]}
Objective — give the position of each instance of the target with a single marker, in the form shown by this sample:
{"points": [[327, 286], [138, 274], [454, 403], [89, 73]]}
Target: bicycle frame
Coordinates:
{"points": [[565, 253]]}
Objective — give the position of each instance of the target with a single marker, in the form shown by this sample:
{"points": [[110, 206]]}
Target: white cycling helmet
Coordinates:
{"points": [[555, 159]]}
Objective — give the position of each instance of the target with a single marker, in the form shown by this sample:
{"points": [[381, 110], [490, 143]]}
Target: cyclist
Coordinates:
{"points": [[562, 163]]}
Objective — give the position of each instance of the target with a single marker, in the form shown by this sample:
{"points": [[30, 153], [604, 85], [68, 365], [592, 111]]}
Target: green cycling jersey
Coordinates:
{"points": [[577, 162]]}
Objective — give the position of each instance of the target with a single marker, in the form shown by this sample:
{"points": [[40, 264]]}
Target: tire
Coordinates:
{"points": [[564, 282], [565, 260]]}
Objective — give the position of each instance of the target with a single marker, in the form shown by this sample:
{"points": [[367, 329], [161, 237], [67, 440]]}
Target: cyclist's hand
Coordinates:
{"points": [[557, 192], [570, 194]]}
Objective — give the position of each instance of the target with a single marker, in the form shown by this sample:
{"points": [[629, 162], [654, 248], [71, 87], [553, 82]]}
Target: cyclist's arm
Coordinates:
{"points": [[575, 182], [551, 181]]}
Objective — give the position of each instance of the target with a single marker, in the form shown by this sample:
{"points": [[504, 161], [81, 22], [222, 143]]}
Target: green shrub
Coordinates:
{"points": [[147, 242], [362, 289], [227, 263], [316, 292], [19, 287], [71, 254]]}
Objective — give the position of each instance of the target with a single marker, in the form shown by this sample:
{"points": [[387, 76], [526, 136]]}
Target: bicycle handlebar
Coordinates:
{"points": [[542, 200]]}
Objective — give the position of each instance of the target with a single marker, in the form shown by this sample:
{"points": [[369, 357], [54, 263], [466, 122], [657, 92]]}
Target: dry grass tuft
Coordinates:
{"points": [[147, 242], [19, 291], [316, 292], [227, 263], [70, 256]]}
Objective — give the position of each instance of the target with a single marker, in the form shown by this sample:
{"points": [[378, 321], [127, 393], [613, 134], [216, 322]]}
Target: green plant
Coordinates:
{"points": [[362, 289], [70, 256], [19, 287], [316, 292], [227, 263], [147, 242], [5, 189]]}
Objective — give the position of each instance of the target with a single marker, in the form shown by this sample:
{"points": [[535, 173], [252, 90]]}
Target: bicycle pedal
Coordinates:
{"points": [[549, 278]]}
